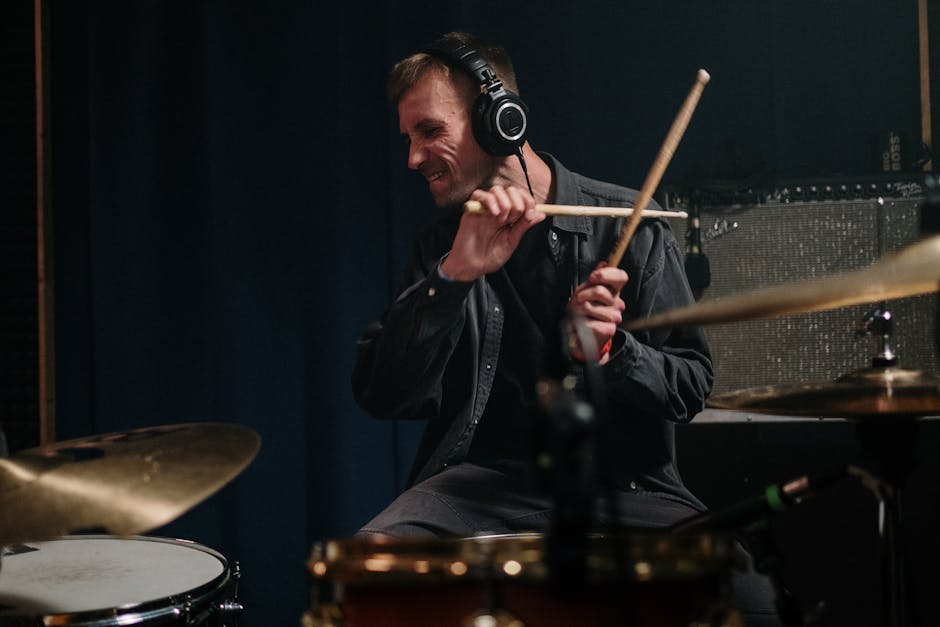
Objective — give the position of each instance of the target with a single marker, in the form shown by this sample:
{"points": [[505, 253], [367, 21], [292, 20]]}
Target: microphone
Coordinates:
{"points": [[697, 269], [776, 498]]}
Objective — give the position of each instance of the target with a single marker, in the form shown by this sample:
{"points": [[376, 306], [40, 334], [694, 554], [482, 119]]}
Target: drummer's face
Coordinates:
{"points": [[434, 121]]}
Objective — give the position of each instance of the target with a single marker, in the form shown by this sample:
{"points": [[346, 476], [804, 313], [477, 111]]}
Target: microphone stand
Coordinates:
{"points": [[750, 519], [697, 267], [565, 465], [930, 225], [768, 560]]}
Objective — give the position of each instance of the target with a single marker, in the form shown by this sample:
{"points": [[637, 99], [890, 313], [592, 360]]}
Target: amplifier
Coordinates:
{"points": [[775, 243]]}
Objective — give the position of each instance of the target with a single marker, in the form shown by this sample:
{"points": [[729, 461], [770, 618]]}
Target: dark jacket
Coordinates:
{"points": [[654, 379]]}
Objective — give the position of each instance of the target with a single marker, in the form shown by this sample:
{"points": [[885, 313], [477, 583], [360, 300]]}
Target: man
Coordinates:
{"points": [[497, 300]]}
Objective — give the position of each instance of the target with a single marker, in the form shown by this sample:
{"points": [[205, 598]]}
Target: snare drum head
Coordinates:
{"points": [[86, 573]]}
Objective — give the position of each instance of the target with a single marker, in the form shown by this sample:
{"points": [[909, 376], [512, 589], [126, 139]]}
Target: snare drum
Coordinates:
{"points": [[640, 578], [99, 581]]}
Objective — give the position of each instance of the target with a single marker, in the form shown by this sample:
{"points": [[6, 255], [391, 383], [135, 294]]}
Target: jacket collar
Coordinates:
{"points": [[567, 192]]}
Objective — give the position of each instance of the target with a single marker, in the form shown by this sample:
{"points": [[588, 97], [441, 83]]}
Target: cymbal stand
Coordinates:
{"points": [[888, 452]]}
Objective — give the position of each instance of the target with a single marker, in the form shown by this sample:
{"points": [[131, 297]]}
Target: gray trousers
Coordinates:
{"points": [[468, 500]]}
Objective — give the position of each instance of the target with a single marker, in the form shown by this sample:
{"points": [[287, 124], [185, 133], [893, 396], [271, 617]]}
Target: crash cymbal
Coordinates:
{"points": [[911, 271], [867, 394], [123, 483]]}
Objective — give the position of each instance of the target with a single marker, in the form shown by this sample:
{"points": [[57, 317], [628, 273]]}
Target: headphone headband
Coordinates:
{"points": [[467, 58]]}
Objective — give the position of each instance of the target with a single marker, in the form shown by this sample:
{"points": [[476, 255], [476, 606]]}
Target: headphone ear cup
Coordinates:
{"points": [[500, 122]]}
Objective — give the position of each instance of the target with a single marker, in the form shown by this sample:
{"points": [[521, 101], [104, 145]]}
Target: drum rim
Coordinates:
{"points": [[650, 554], [132, 613]]}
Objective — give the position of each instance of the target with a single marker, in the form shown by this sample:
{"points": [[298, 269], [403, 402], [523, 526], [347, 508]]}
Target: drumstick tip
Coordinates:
{"points": [[703, 76]]}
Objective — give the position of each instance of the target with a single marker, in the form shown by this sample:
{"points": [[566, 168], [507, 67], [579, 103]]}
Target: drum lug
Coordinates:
{"points": [[229, 612], [500, 618], [188, 611], [327, 615], [230, 609], [721, 615]]}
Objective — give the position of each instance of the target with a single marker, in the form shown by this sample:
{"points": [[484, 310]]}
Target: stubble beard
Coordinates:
{"points": [[457, 196]]}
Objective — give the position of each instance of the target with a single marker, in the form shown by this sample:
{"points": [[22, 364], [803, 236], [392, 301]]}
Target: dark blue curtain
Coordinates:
{"points": [[232, 206]]}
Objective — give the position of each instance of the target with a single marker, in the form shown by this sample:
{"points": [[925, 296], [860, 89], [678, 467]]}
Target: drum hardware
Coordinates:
{"points": [[880, 393], [571, 460], [497, 618], [493, 613], [750, 520], [232, 608], [885, 401], [564, 444], [124, 483], [879, 324]]}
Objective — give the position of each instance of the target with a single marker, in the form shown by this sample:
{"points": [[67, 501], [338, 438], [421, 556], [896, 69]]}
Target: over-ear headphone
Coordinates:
{"points": [[499, 117]]}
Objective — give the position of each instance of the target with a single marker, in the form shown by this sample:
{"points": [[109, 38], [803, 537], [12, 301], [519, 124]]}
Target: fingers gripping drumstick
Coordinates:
{"points": [[659, 166]]}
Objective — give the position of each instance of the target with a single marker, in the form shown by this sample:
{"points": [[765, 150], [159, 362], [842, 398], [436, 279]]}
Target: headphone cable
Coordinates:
{"points": [[525, 170]]}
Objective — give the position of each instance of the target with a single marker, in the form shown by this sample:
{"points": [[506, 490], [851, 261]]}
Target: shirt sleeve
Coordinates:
{"points": [[401, 358], [665, 373]]}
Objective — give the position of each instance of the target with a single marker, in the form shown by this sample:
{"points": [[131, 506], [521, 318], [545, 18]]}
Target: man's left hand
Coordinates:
{"points": [[597, 301]]}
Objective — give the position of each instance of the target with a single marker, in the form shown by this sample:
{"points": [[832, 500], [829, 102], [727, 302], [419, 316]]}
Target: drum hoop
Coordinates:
{"points": [[141, 613], [647, 554]]}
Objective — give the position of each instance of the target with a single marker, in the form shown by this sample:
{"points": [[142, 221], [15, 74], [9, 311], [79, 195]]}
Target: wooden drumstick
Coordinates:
{"points": [[659, 166], [474, 206]]}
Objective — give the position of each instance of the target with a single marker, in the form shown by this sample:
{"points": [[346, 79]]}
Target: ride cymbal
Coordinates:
{"points": [[909, 272], [125, 483], [872, 393]]}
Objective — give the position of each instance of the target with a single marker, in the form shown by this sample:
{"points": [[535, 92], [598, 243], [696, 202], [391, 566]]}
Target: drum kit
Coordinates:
{"points": [[107, 489], [676, 577]]}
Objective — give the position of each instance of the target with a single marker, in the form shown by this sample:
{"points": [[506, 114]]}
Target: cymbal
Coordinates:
{"points": [[908, 272], [872, 393], [125, 483]]}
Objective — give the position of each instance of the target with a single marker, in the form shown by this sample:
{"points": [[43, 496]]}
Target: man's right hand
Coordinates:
{"points": [[486, 240]]}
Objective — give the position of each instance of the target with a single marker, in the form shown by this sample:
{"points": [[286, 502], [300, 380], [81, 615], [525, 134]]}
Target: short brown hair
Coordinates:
{"points": [[411, 69]]}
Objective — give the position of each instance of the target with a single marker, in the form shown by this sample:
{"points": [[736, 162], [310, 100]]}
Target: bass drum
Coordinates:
{"points": [[639, 578], [99, 581]]}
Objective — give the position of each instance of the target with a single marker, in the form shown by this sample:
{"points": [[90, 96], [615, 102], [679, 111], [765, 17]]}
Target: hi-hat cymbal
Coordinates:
{"points": [[869, 394], [911, 271], [124, 483]]}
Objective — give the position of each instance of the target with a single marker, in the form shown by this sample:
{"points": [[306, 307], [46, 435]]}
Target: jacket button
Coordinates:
{"points": [[431, 291], [633, 485]]}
